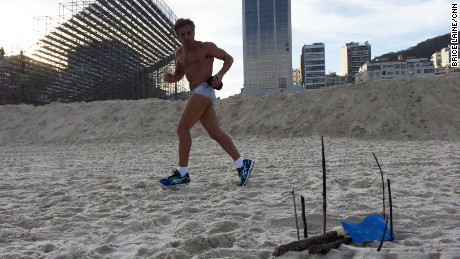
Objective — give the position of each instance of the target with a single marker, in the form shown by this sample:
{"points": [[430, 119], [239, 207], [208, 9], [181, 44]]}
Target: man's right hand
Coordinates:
{"points": [[168, 77]]}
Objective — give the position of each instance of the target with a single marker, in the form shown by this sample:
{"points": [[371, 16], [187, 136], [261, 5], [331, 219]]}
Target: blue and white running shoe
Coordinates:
{"points": [[245, 171], [175, 179]]}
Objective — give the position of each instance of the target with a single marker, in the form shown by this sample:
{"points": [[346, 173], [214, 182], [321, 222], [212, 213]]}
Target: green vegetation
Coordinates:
{"points": [[422, 50]]}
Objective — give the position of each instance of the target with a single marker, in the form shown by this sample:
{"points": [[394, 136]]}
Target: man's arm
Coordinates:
{"points": [[221, 54], [178, 73]]}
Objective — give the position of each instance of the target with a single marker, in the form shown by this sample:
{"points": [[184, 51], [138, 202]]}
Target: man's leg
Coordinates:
{"points": [[210, 123], [196, 106]]}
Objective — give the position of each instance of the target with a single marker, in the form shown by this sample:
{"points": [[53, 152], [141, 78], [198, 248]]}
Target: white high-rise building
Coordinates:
{"points": [[436, 59], [445, 56], [313, 66]]}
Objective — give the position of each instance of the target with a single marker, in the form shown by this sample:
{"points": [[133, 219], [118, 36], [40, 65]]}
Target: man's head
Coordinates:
{"points": [[181, 22], [185, 32]]}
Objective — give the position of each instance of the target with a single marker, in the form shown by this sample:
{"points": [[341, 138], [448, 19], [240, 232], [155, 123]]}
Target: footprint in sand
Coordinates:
{"points": [[223, 227]]}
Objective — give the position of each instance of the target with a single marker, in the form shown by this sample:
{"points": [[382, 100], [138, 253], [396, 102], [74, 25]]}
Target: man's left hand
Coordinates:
{"points": [[216, 82]]}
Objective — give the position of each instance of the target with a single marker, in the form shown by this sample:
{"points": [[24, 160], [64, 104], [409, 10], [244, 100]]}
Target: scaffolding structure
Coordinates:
{"points": [[101, 50]]}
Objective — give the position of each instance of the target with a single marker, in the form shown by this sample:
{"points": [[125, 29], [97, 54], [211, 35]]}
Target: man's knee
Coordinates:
{"points": [[215, 134], [181, 130]]}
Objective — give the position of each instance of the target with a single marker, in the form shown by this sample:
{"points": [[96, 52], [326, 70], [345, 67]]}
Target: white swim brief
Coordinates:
{"points": [[205, 89]]}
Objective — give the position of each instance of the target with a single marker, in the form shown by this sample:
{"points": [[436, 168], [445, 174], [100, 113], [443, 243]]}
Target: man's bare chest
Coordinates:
{"points": [[188, 59]]}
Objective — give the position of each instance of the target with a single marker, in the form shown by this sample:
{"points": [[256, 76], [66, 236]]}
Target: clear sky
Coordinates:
{"points": [[388, 25]]}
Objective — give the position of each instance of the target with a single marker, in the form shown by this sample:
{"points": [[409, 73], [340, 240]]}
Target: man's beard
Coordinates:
{"points": [[188, 43]]}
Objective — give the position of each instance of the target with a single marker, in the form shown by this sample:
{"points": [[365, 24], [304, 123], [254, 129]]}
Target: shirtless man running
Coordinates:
{"points": [[195, 59]]}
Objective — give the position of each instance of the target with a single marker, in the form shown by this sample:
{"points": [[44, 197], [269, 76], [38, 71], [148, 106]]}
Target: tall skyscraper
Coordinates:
{"points": [[352, 57], [313, 66], [267, 45]]}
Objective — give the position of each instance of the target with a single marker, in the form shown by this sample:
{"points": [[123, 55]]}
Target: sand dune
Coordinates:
{"points": [[407, 108], [81, 180], [417, 108]]}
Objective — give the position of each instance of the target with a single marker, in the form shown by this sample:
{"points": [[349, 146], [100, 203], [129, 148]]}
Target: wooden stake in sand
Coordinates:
{"points": [[384, 233], [304, 218], [324, 185], [383, 185], [295, 214], [391, 211]]}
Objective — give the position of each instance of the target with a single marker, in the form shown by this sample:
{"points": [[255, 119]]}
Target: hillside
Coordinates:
{"points": [[423, 49]]}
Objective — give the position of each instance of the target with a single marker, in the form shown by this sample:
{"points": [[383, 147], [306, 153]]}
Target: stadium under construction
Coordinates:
{"points": [[105, 50]]}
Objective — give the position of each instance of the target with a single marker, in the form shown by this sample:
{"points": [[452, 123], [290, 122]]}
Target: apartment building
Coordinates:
{"points": [[313, 66], [352, 56], [296, 77], [384, 69]]}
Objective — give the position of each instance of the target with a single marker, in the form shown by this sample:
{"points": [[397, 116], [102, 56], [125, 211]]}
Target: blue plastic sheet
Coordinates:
{"points": [[370, 229]]}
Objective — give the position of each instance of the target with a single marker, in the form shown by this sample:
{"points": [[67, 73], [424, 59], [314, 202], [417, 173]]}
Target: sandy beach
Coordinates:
{"points": [[81, 180]]}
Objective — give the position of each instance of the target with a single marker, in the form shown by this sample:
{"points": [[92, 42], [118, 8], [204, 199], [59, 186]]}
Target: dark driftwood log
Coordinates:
{"points": [[327, 247], [305, 244]]}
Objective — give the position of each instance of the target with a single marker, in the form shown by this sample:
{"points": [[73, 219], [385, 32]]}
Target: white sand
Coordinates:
{"points": [[81, 180]]}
